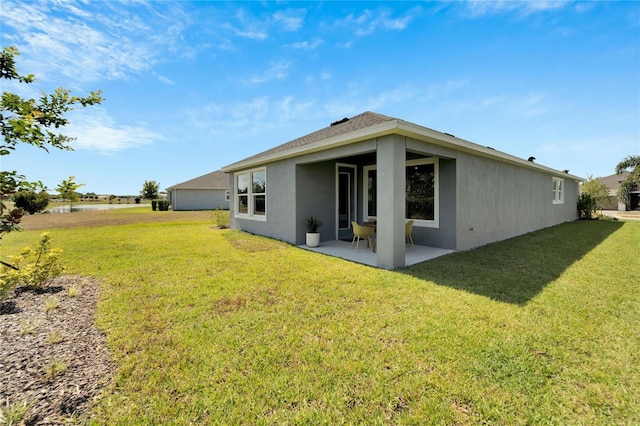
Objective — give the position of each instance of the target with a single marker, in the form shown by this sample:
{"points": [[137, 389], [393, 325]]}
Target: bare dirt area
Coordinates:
{"points": [[54, 361], [108, 218]]}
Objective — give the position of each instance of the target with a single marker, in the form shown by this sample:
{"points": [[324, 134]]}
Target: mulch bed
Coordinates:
{"points": [[54, 359]]}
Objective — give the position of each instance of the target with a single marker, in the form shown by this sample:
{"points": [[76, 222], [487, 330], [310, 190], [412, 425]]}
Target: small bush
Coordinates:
{"points": [[40, 267], [154, 205], [587, 206], [137, 200], [162, 205], [220, 218]]}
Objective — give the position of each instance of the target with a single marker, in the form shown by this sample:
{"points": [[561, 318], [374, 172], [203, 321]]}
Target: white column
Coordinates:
{"points": [[391, 156]]}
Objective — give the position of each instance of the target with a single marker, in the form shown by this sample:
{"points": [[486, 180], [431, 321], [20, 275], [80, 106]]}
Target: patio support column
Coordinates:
{"points": [[391, 156]]}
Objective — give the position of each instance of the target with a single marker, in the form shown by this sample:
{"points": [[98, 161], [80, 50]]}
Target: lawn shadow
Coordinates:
{"points": [[516, 270]]}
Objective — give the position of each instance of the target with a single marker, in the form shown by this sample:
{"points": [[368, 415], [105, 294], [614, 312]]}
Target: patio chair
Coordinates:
{"points": [[359, 232], [408, 229]]}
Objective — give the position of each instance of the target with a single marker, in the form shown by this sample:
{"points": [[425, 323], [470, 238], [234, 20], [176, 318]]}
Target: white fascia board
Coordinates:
{"points": [[438, 138]]}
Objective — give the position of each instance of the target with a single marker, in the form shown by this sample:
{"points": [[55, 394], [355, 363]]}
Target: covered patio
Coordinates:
{"points": [[365, 256]]}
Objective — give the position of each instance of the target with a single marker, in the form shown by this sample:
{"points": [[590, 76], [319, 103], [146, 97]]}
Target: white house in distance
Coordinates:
{"points": [[206, 192]]}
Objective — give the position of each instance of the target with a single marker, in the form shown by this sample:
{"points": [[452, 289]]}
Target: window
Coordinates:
{"points": [[558, 190], [421, 198], [251, 194], [227, 195]]}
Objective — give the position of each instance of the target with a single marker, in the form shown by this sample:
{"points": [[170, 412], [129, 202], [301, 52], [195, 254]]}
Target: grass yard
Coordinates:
{"points": [[222, 327]]}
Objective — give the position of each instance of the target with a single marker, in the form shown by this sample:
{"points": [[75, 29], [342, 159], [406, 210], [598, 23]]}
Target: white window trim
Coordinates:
{"points": [[236, 199], [557, 194], [435, 223]]}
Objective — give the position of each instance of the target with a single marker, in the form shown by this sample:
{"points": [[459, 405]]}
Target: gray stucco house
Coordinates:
{"points": [[206, 192], [373, 167]]}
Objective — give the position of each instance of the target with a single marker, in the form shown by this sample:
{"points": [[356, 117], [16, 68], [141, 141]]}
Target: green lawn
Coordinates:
{"points": [[222, 327]]}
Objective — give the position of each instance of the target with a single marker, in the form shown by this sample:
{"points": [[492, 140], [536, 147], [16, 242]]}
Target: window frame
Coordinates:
{"points": [[557, 190], [435, 223], [250, 194]]}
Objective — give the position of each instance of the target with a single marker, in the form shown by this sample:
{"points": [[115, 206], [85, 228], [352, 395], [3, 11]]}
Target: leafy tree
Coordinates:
{"points": [[67, 190], [33, 122], [150, 189], [632, 183], [597, 190], [31, 201]]}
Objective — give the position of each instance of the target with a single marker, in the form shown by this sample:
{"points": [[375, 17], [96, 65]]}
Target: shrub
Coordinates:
{"points": [[220, 218], [163, 205], [41, 266], [31, 202], [154, 205], [137, 199], [587, 206]]}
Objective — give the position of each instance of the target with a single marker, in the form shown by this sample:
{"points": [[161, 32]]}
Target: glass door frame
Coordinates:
{"points": [[352, 171]]}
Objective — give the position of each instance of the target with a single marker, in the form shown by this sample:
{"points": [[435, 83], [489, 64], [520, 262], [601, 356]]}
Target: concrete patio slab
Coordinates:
{"points": [[365, 256]]}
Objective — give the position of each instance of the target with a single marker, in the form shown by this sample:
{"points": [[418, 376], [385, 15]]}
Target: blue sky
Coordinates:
{"points": [[190, 87]]}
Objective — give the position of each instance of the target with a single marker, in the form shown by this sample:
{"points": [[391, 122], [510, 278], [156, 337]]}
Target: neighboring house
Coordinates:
{"points": [[613, 183], [373, 167], [207, 192]]}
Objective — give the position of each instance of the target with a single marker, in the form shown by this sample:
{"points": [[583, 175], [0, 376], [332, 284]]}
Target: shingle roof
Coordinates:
{"points": [[613, 181], [213, 180], [369, 125], [341, 127]]}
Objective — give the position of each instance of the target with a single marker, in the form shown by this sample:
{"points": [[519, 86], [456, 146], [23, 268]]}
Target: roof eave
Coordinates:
{"points": [[404, 128], [443, 139], [377, 130]]}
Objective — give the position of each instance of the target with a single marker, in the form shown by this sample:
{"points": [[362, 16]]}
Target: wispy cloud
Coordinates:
{"points": [[290, 20], [96, 131], [482, 7], [276, 71], [358, 100], [247, 26], [249, 118], [370, 21], [89, 44], [307, 45]]}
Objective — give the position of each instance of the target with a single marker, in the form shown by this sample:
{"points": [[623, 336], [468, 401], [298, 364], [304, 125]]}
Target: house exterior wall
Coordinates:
{"points": [[481, 200], [281, 201], [198, 199], [497, 201], [298, 188]]}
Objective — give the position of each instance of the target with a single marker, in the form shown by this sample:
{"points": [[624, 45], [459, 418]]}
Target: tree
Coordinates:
{"points": [[150, 190], [31, 201], [33, 122], [67, 190], [597, 190], [632, 183]]}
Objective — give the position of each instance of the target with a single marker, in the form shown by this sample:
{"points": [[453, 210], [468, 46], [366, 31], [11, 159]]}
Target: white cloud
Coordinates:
{"points": [[249, 118], [276, 71], [481, 7], [306, 45], [95, 130], [370, 21], [88, 42], [291, 20]]}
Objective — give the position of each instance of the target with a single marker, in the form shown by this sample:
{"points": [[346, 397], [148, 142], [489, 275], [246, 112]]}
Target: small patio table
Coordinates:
{"points": [[373, 225]]}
